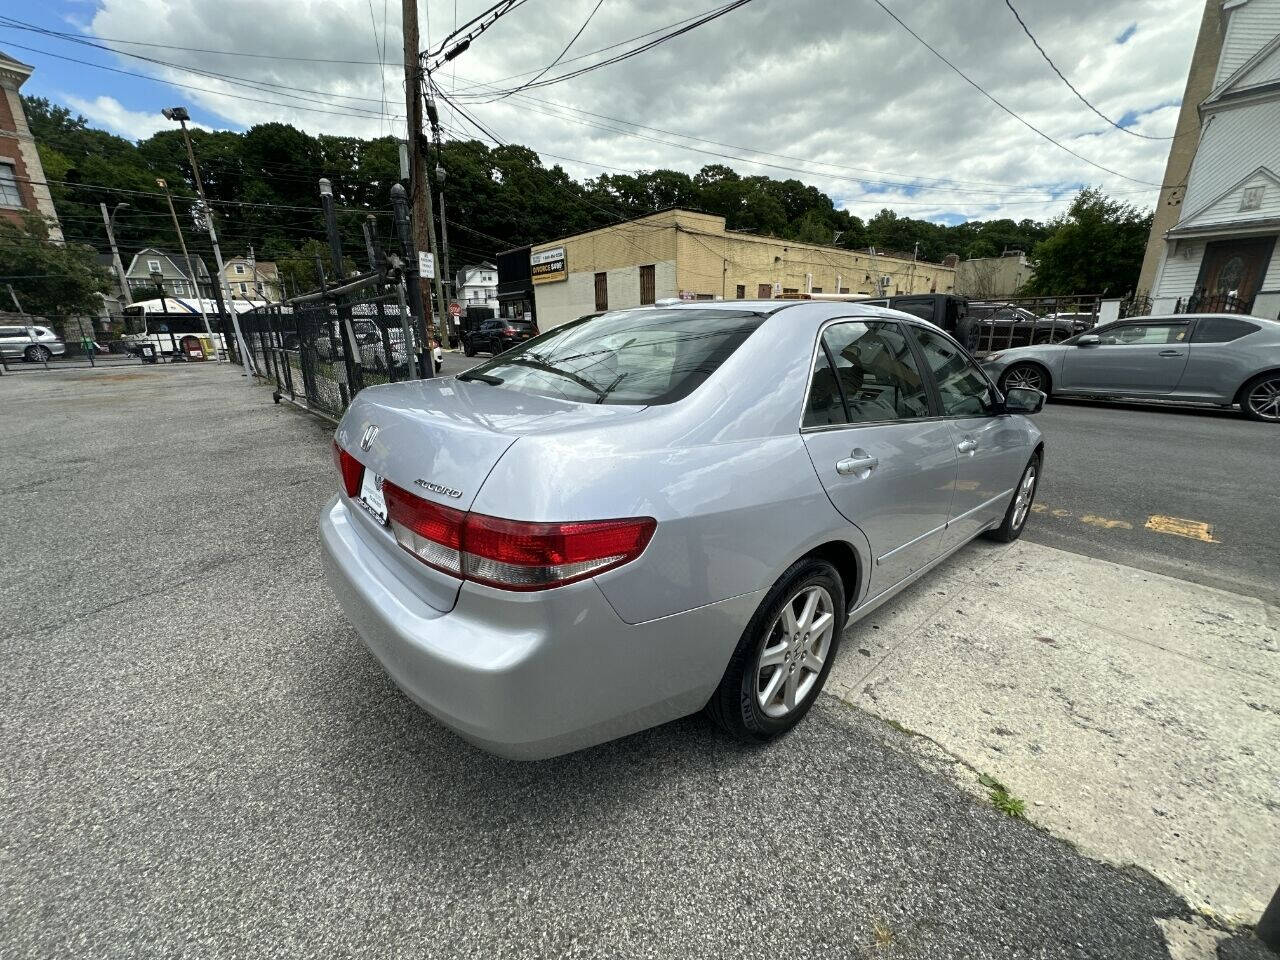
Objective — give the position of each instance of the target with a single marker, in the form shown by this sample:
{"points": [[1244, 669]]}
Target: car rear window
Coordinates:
{"points": [[1221, 329], [645, 356]]}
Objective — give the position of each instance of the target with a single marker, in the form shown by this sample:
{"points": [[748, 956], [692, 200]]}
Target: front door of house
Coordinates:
{"points": [[1231, 273]]}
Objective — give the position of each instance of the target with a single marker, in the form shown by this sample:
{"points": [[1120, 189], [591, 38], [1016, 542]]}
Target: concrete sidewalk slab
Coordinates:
{"points": [[1137, 715]]}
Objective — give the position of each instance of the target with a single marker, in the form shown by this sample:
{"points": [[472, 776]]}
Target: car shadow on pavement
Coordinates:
{"points": [[832, 840]]}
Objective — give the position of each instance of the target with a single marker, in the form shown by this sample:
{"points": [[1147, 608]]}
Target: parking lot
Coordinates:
{"points": [[204, 760]]}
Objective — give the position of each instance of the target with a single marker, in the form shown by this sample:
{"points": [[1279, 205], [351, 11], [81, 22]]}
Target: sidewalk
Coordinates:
{"points": [[1136, 715]]}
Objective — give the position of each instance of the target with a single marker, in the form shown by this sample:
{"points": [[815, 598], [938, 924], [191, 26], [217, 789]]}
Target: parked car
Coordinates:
{"points": [[495, 336], [34, 344], [659, 510], [1002, 325], [1223, 359]]}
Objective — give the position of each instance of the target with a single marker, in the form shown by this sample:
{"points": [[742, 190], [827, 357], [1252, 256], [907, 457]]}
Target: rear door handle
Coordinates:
{"points": [[967, 445], [857, 462], [1170, 353]]}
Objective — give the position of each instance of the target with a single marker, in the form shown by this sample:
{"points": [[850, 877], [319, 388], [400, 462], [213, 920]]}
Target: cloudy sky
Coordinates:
{"points": [[833, 93]]}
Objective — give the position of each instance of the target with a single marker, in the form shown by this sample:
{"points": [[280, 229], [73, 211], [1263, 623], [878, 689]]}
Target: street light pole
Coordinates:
{"points": [[225, 305], [110, 221], [195, 280]]}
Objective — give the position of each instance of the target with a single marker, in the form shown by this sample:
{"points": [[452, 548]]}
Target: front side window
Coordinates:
{"points": [[643, 356], [965, 392], [1135, 334], [865, 373]]}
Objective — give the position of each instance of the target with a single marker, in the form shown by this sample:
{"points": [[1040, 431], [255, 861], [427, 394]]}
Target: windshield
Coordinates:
{"points": [[646, 356]]}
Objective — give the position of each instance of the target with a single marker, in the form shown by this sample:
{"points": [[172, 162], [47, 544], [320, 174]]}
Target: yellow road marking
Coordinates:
{"points": [[1106, 523], [1173, 526], [1178, 527]]}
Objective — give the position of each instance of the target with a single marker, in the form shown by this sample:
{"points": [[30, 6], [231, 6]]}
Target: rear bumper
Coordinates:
{"points": [[530, 675]]}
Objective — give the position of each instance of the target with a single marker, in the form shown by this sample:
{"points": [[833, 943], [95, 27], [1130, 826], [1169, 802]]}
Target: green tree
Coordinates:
{"points": [[1096, 247], [52, 280]]}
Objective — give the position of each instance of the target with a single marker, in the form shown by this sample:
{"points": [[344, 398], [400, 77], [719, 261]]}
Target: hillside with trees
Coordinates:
{"points": [[264, 184]]}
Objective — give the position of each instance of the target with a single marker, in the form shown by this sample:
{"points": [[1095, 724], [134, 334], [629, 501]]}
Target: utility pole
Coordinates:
{"points": [[419, 186], [404, 232], [195, 280], [355, 379], [109, 220], [225, 306], [450, 283]]}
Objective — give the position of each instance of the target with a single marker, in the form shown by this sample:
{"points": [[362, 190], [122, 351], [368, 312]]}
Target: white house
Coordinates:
{"points": [[1222, 254], [477, 286]]}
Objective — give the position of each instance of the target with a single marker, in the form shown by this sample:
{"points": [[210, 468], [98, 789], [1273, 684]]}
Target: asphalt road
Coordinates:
{"points": [[201, 759], [1187, 492]]}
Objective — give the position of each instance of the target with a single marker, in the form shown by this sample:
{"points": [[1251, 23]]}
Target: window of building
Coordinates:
{"points": [[740, 292], [843, 290], [602, 291], [240, 271], [790, 289], [865, 373], [1252, 198], [815, 289], [648, 284], [153, 266], [10, 196]]}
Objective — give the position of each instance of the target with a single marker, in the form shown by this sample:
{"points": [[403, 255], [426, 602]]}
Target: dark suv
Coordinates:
{"points": [[495, 336]]}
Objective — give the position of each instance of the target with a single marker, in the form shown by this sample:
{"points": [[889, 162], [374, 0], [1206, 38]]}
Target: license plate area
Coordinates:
{"points": [[371, 497]]}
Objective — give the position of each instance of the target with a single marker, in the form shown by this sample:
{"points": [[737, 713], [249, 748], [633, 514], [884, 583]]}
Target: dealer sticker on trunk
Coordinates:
{"points": [[371, 497]]}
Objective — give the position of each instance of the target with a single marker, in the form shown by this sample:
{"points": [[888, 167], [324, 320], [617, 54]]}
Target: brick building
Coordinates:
{"points": [[22, 184], [679, 253]]}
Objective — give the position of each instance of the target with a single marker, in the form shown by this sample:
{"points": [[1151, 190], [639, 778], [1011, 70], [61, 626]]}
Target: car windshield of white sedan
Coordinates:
{"points": [[646, 356]]}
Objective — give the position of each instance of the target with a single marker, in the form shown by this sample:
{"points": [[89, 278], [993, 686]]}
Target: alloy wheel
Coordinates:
{"points": [[795, 651], [1023, 377], [1264, 399], [1022, 501]]}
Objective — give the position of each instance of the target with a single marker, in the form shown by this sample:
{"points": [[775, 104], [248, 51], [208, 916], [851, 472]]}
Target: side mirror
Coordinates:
{"points": [[1023, 400], [1088, 340]]}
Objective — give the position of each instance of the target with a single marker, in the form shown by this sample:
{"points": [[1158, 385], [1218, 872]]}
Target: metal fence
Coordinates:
{"points": [[1020, 321], [300, 345]]}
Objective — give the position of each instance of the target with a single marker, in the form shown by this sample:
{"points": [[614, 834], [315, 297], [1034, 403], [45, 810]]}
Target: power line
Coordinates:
{"points": [[1027, 30], [560, 56], [1026, 123], [714, 14], [187, 86]]}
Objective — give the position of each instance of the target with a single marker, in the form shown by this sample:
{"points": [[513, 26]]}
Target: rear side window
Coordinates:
{"points": [[1221, 330], [865, 373], [645, 356]]}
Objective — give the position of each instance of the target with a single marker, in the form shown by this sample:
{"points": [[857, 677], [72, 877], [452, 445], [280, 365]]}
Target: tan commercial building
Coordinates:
{"points": [[687, 255], [986, 278]]}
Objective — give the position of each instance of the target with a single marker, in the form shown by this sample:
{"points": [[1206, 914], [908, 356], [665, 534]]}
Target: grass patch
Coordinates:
{"points": [[1002, 799]]}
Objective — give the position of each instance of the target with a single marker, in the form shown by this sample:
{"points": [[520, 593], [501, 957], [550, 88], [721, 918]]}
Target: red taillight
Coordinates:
{"points": [[430, 532], [509, 331], [511, 554], [351, 469]]}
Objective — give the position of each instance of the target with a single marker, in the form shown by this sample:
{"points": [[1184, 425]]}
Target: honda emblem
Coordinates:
{"points": [[370, 435]]}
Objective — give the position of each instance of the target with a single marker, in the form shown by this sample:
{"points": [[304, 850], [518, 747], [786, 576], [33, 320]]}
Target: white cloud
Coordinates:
{"points": [[836, 84], [110, 114]]}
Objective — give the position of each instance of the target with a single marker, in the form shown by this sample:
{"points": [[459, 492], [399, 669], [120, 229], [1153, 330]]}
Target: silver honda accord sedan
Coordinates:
{"points": [[654, 511], [1224, 359]]}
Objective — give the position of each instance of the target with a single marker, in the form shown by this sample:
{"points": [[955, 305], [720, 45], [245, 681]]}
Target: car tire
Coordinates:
{"points": [[1024, 496], [1260, 398], [751, 702], [36, 353], [1026, 375], [468, 350]]}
